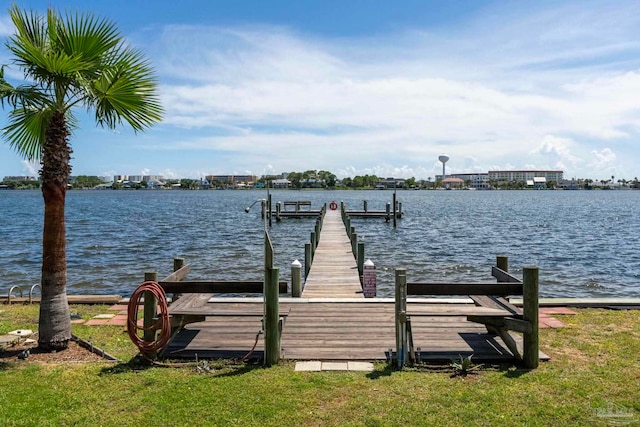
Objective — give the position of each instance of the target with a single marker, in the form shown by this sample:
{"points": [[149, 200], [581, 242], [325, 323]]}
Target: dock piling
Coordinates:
{"points": [[150, 308], [353, 237], [296, 279], [360, 259], [178, 263], [395, 206], [502, 262], [401, 316], [307, 259], [271, 318], [530, 308]]}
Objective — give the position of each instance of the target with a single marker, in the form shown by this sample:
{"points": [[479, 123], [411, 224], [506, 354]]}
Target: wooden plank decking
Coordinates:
{"points": [[318, 329], [334, 273]]}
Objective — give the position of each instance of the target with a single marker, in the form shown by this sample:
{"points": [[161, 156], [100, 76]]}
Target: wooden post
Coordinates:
{"points": [[366, 206], [269, 209], [360, 259], [395, 205], [388, 210], [296, 279], [313, 244], [272, 319], [278, 210], [150, 308], [307, 259], [399, 210], [354, 244], [502, 262], [263, 206], [178, 263], [530, 355], [401, 316]]}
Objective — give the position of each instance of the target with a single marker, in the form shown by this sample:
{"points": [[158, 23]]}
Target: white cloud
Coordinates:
{"points": [[556, 151], [32, 168], [517, 85], [603, 160], [258, 87]]}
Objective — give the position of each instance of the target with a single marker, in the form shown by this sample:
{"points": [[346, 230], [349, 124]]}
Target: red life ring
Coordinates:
{"points": [[333, 206]]}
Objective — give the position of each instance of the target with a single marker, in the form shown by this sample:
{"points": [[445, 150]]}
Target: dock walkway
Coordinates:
{"points": [[333, 273], [333, 321]]}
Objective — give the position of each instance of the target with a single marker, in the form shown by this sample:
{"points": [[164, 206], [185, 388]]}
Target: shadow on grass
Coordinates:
{"points": [[388, 370], [513, 371], [217, 367]]}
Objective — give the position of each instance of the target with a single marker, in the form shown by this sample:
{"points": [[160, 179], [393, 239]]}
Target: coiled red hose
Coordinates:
{"points": [[149, 349]]}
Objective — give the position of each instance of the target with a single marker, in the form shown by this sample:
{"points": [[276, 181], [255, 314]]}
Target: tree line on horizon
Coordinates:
{"points": [[313, 179]]}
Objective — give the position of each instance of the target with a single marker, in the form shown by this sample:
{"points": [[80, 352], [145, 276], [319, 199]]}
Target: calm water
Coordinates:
{"points": [[585, 242]]}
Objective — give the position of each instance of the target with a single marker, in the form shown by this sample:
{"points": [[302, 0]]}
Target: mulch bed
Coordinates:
{"points": [[74, 353]]}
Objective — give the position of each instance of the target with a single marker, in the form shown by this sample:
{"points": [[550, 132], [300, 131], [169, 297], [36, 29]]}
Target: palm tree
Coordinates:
{"points": [[75, 60]]}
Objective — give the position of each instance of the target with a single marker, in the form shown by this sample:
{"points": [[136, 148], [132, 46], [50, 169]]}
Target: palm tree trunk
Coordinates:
{"points": [[54, 323]]}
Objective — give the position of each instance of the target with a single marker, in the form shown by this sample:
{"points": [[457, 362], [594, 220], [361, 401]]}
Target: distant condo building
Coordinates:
{"points": [[138, 178], [525, 175], [20, 178], [531, 178]]}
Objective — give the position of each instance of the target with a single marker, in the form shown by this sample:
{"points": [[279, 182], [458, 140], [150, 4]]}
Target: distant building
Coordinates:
{"points": [[479, 181], [538, 182], [20, 178], [280, 183], [138, 178], [233, 180], [390, 183], [451, 182], [525, 175]]}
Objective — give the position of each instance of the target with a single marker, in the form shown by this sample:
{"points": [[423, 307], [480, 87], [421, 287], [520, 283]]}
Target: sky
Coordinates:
{"points": [[370, 87]]}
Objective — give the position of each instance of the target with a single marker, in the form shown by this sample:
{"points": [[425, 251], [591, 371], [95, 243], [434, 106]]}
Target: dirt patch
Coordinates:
{"points": [[31, 353]]}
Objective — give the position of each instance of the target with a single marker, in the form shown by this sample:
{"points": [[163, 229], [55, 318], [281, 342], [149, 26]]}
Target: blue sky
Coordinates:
{"points": [[372, 87]]}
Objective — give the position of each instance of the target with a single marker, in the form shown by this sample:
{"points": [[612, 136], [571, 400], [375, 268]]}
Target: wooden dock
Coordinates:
{"points": [[333, 321], [337, 329], [334, 273]]}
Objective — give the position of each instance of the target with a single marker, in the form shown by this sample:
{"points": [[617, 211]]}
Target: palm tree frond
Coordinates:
{"points": [[87, 36], [127, 91], [25, 131]]}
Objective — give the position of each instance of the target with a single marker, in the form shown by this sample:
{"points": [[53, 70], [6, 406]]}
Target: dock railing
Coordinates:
{"points": [[270, 287], [314, 239], [488, 295]]}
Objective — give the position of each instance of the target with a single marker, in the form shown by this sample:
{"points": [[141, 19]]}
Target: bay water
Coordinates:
{"points": [[586, 243]]}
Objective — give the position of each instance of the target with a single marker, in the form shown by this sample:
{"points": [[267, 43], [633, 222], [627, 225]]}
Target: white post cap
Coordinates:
{"points": [[296, 264], [369, 263]]}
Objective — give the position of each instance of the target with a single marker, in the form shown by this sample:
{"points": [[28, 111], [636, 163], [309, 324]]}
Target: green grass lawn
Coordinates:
{"points": [[594, 372]]}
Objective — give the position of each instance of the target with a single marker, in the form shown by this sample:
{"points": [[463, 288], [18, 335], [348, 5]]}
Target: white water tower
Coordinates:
{"points": [[444, 159]]}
